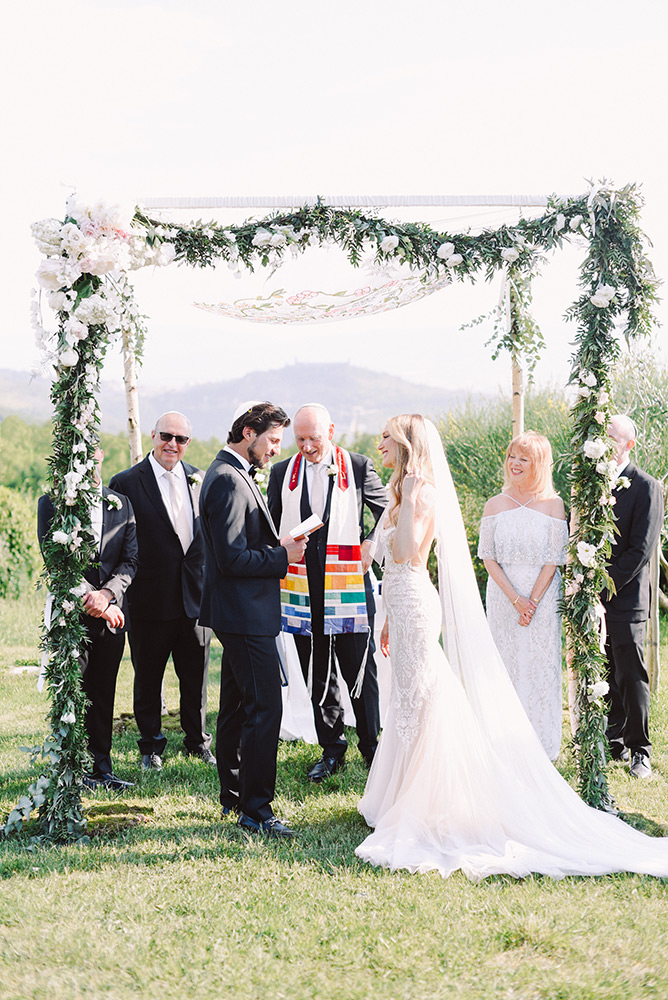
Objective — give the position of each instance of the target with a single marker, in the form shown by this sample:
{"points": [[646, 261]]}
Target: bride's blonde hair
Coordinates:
{"points": [[409, 432]]}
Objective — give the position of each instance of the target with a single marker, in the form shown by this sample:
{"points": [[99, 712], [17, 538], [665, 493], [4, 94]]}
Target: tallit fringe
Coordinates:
{"points": [[330, 662], [356, 692]]}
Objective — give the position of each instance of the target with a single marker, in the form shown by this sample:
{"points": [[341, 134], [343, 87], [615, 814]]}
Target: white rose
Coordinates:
{"points": [[586, 553], [78, 329], [60, 537], [510, 254], [599, 301], [164, 254], [56, 273], [582, 390], [608, 468], [279, 240], [68, 358], [445, 250], [603, 296], [560, 222], [73, 241], [599, 417], [454, 260], [262, 238], [603, 396], [575, 222], [389, 244], [595, 448], [587, 378], [57, 300], [598, 690], [69, 718]]}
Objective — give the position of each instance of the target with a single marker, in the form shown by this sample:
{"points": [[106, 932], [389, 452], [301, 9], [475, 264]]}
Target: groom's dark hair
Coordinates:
{"points": [[260, 417]]}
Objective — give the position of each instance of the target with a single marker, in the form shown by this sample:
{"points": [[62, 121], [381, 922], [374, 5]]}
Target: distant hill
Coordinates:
{"points": [[359, 399]]}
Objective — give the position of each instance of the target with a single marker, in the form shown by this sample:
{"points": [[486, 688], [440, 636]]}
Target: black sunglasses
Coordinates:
{"points": [[179, 438]]}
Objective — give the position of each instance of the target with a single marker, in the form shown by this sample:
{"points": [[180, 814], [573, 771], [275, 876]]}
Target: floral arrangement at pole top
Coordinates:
{"points": [[84, 280]]}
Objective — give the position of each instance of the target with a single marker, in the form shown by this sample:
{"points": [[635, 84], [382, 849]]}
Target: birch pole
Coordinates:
{"points": [[653, 645], [131, 397], [518, 371]]}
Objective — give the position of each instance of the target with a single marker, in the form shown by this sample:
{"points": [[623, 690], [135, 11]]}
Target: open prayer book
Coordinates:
{"points": [[311, 524]]}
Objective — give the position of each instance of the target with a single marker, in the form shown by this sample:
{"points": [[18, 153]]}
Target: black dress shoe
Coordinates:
{"points": [[228, 811], [325, 768], [619, 753], [640, 766], [151, 762], [272, 826], [204, 755], [109, 782]]}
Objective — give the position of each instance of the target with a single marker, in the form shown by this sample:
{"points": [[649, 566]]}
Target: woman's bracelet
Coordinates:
{"points": [[516, 599]]}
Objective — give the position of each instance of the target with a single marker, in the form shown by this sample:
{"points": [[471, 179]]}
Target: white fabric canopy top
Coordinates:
{"points": [[375, 295], [349, 201]]}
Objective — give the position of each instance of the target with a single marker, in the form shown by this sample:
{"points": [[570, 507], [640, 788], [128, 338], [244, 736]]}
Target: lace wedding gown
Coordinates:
{"points": [[522, 541], [460, 779]]}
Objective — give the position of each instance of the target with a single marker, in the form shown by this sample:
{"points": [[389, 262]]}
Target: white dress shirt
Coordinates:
{"points": [[162, 478]]}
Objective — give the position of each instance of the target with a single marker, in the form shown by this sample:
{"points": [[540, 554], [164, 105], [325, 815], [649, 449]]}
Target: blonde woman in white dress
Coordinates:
{"points": [[523, 536], [460, 779]]}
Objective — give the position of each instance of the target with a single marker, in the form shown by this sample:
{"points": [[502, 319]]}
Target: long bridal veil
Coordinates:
{"points": [[543, 824]]}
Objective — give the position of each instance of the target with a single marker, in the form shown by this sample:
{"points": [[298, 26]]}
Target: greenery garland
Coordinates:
{"points": [[82, 255]]}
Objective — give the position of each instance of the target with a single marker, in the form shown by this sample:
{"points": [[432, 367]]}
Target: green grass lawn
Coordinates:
{"points": [[170, 901]]}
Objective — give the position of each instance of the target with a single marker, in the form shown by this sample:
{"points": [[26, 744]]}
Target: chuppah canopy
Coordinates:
{"points": [[84, 277]]}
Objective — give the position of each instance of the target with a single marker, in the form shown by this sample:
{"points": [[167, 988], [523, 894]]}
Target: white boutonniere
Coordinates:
{"points": [[260, 478], [195, 479], [114, 503], [623, 483], [333, 469]]}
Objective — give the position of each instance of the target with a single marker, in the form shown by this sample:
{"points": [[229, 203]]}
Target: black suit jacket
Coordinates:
{"points": [[639, 516], [118, 556], [168, 583], [244, 560], [369, 491]]}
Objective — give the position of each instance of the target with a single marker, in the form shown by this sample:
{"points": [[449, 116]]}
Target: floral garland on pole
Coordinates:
{"points": [[83, 273], [82, 277], [616, 281]]}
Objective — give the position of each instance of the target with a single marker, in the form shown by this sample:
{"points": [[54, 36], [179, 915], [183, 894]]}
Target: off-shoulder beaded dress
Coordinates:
{"points": [[523, 540]]}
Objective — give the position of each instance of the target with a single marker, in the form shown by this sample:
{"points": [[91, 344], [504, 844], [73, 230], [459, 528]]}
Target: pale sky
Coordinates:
{"points": [[123, 100]]}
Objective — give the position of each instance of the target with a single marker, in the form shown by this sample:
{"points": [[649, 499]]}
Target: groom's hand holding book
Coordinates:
{"points": [[295, 541]]}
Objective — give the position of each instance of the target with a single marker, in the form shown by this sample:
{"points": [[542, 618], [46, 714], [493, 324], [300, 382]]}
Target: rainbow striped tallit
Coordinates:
{"points": [[345, 598]]}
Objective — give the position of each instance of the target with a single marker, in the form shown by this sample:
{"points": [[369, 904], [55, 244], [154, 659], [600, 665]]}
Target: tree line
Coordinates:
{"points": [[475, 436]]}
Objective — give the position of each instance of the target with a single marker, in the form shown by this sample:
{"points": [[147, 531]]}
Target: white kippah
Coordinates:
{"points": [[244, 407]]}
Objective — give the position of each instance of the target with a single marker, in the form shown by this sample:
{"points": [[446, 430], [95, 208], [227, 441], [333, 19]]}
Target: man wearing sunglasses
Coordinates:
{"points": [[165, 595]]}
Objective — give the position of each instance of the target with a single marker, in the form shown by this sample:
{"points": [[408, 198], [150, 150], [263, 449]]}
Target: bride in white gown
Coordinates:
{"points": [[460, 779]]}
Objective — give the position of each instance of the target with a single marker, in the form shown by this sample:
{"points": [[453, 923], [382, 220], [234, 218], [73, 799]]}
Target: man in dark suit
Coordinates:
{"points": [[639, 516], [245, 561], [314, 432], [104, 613], [165, 595]]}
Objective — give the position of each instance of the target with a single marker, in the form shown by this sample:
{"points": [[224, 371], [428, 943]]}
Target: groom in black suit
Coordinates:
{"points": [[245, 560], [639, 518], [164, 597]]}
